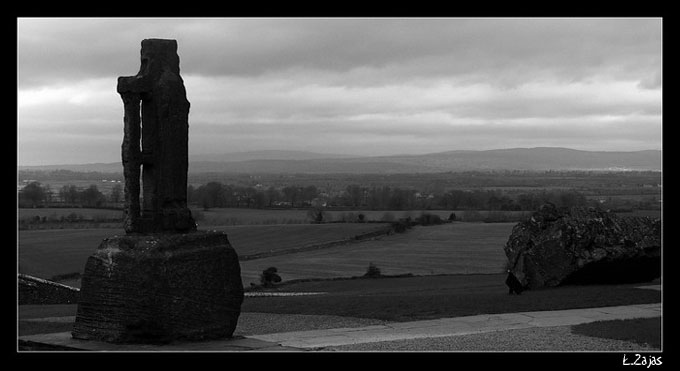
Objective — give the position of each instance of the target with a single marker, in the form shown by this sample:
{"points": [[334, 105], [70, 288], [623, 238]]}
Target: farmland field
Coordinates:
{"points": [[456, 248], [450, 248], [46, 253]]}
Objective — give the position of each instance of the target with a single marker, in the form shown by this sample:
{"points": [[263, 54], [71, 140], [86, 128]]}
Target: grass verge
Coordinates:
{"points": [[416, 298], [431, 297], [643, 331]]}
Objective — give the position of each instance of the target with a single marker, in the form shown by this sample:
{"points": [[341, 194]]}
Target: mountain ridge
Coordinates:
{"points": [[282, 161]]}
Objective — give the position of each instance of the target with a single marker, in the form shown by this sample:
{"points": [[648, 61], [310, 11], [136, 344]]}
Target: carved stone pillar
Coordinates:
{"points": [[163, 281], [132, 160], [156, 106]]}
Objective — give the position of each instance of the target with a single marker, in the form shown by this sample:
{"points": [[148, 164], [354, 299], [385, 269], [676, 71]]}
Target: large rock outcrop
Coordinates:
{"points": [[583, 245], [159, 288]]}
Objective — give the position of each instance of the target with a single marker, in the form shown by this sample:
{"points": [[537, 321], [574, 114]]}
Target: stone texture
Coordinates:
{"points": [[581, 246], [159, 288], [163, 281], [155, 142]]}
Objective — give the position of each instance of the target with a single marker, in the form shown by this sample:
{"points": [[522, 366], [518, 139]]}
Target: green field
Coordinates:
{"points": [[449, 248], [456, 248], [56, 213], [237, 216], [430, 297], [419, 298], [46, 253]]}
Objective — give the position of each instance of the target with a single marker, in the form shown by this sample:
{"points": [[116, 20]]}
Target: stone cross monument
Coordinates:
{"points": [[164, 280], [155, 142]]}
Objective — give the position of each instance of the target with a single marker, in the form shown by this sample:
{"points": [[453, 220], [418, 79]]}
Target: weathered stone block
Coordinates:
{"points": [[160, 287], [580, 246]]}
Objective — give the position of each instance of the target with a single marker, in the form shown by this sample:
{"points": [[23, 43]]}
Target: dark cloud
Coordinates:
{"points": [[70, 49]]}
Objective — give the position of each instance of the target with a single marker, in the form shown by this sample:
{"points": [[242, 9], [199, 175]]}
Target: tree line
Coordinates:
{"points": [[354, 196], [216, 194], [35, 194]]}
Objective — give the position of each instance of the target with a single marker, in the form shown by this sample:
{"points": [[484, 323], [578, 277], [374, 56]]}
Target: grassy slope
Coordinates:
{"points": [[45, 253], [446, 249], [415, 298], [450, 248], [407, 299]]}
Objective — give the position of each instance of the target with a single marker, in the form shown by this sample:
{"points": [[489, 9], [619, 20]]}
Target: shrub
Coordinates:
{"points": [[430, 219], [269, 277], [73, 217], [402, 225], [373, 271], [316, 215]]}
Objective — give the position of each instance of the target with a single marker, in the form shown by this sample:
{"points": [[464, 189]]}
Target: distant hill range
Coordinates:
{"points": [[536, 159]]}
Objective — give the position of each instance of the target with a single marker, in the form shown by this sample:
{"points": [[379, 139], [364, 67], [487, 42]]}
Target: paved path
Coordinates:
{"points": [[318, 339]]}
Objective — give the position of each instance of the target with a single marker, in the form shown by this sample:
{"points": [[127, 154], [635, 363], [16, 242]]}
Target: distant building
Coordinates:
{"points": [[318, 202]]}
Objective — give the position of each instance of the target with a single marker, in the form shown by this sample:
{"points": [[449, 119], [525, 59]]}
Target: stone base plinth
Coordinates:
{"points": [[159, 288]]}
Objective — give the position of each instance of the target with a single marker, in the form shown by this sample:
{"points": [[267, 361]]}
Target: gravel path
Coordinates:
{"points": [[250, 323], [551, 339]]}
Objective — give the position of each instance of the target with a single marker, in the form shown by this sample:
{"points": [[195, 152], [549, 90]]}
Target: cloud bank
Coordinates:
{"points": [[360, 86]]}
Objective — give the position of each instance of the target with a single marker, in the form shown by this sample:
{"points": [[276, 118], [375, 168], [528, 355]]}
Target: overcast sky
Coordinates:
{"points": [[363, 86]]}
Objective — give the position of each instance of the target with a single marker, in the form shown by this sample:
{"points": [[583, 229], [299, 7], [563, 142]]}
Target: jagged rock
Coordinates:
{"points": [[160, 287], [583, 245]]}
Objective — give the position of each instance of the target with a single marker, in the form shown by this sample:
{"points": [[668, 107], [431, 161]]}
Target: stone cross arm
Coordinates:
{"points": [[134, 84]]}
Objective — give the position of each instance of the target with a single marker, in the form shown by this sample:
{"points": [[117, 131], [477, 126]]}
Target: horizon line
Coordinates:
{"points": [[350, 155]]}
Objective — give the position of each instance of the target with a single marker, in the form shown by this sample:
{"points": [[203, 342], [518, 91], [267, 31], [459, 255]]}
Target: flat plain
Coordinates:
{"points": [[456, 248]]}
